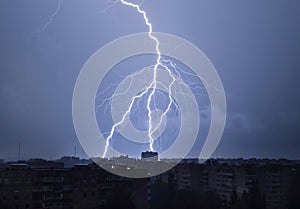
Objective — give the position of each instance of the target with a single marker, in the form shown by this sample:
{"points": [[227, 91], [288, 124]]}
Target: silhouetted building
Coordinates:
{"points": [[80, 187], [150, 156], [40, 183]]}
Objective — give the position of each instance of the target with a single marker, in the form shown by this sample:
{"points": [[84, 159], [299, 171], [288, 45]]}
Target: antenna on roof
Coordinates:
{"points": [[19, 152], [81, 155]]}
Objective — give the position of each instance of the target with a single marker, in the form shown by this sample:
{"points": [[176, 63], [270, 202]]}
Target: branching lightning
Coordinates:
{"points": [[150, 88], [50, 18]]}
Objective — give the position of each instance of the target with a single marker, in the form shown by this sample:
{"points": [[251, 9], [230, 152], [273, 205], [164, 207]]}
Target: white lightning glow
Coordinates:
{"points": [[50, 18], [151, 87]]}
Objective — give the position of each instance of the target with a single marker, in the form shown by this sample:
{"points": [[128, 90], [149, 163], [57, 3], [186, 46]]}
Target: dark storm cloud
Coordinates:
{"points": [[254, 46]]}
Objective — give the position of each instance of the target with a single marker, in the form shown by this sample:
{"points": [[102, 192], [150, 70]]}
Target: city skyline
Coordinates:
{"points": [[69, 183]]}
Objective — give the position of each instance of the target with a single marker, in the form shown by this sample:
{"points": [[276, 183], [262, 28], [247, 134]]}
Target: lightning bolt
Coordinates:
{"points": [[151, 87], [164, 64], [50, 18]]}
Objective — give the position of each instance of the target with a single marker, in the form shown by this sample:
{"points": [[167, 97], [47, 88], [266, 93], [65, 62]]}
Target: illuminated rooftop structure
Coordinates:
{"points": [[150, 156]]}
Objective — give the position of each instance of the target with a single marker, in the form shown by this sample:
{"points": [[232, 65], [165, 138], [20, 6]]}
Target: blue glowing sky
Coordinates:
{"points": [[254, 46]]}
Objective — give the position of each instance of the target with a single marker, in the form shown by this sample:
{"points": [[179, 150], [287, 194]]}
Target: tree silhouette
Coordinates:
{"points": [[253, 199], [294, 191], [120, 198], [164, 196]]}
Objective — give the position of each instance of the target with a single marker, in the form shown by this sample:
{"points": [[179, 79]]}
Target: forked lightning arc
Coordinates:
{"points": [[150, 88]]}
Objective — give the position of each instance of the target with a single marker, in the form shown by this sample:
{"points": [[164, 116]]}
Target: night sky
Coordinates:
{"points": [[254, 46]]}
